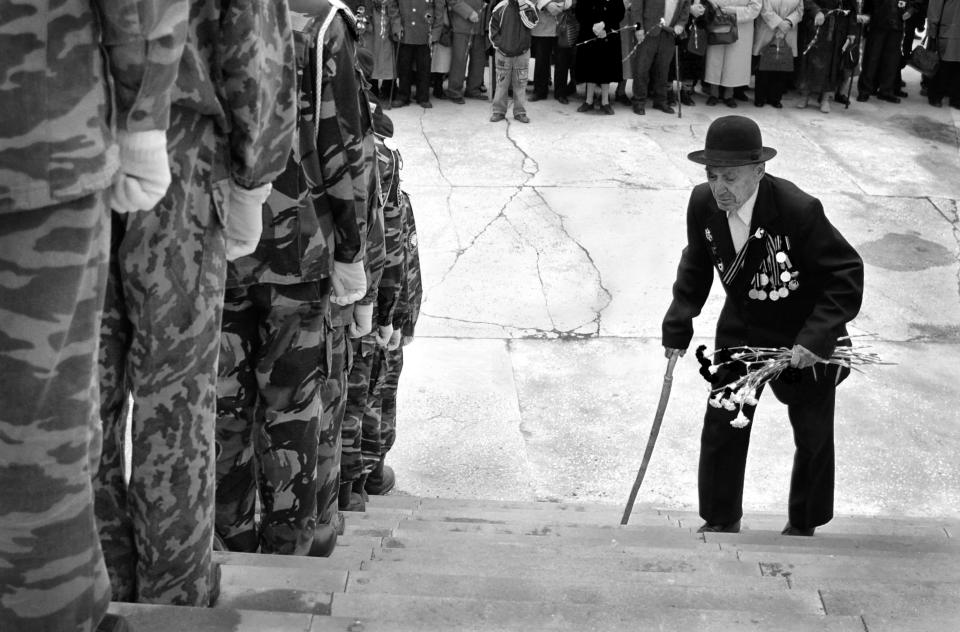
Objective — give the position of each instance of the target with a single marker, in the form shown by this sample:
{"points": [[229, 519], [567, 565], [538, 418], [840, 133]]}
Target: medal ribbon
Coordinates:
{"points": [[741, 258]]}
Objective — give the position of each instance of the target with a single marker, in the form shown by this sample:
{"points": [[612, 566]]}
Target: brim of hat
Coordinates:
{"points": [[700, 157]]}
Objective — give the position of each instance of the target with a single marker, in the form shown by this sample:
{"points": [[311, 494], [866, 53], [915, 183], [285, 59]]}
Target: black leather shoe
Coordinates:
{"points": [[585, 107], [536, 97], [622, 98], [730, 102], [792, 530], [562, 99], [399, 103], [758, 103], [733, 527], [903, 94], [606, 108], [639, 108], [425, 104], [686, 98], [712, 100], [863, 97], [382, 479], [663, 107], [324, 541], [889, 98], [474, 95], [776, 104], [841, 99], [740, 95]]}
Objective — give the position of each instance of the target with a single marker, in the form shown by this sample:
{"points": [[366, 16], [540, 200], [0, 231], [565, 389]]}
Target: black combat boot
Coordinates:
{"points": [[381, 480]]}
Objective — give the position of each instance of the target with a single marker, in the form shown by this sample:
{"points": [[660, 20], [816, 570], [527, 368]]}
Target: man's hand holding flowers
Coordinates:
{"points": [[802, 358]]}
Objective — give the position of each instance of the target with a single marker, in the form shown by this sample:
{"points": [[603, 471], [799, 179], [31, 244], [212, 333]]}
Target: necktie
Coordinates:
{"points": [[738, 230]]}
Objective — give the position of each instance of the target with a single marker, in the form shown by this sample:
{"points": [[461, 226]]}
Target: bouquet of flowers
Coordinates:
{"points": [[762, 365]]}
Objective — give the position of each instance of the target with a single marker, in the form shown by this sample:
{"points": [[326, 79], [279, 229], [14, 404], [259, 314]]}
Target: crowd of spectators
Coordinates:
{"points": [[815, 49]]}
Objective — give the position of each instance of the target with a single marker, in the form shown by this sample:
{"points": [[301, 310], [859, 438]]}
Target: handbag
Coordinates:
{"points": [[568, 29], [776, 57], [722, 29], [925, 60]]}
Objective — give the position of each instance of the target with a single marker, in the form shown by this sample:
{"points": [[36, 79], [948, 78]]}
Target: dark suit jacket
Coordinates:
{"points": [[814, 315], [648, 13]]}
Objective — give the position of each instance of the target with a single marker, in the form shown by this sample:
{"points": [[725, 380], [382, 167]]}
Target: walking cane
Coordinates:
{"points": [[393, 82], [676, 56], [654, 431], [846, 106]]}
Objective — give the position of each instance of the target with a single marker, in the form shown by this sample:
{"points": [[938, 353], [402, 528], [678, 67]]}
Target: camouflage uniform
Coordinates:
{"points": [[278, 364], [232, 117], [57, 157], [380, 418], [363, 375]]}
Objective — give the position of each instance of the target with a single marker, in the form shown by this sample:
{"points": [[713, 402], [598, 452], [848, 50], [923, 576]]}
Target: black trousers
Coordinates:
{"points": [[413, 61], [563, 71], [653, 63], [771, 85], [880, 71], [541, 49], [723, 451]]}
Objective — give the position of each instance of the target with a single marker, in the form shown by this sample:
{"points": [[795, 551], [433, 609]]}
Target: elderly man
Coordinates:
{"points": [[791, 280]]}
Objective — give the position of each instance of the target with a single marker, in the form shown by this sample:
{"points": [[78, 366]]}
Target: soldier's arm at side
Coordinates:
{"points": [[341, 134], [829, 261], [256, 54], [691, 287], [144, 41]]}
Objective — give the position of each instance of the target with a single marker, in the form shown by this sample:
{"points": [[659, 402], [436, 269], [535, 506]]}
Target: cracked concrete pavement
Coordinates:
{"points": [[548, 252]]}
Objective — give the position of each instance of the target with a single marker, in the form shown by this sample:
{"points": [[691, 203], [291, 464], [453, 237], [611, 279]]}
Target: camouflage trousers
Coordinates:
{"points": [[275, 416], [357, 406], [54, 263], [159, 345], [331, 446], [380, 421]]}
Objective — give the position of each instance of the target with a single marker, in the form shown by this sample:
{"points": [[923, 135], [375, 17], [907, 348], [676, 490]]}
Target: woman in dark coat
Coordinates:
{"points": [[598, 62], [828, 29]]}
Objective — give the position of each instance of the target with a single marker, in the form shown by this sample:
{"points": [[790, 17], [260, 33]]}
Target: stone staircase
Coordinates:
{"points": [[411, 564]]}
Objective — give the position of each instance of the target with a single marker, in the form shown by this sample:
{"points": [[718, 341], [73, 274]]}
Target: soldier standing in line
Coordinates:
{"points": [[380, 424], [276, 391], [366, 348], [62, 121], [231, 129]]}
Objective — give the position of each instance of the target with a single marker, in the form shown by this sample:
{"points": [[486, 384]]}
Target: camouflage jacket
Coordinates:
{"points": [[72, 72], [317, 211], [411, 291], [238, 67], [388, 290]]}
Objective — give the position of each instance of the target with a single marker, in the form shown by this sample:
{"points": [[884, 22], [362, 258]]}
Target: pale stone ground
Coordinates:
{"points": [[548, 252]]}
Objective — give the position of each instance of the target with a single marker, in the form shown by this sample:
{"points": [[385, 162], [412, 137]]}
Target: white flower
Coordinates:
{"points": [[750, 399], [740, 422], [713, 369], [728, 404], [716, 401]]}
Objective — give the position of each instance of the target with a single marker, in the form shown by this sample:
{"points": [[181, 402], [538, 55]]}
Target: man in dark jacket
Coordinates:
{"points": [[791, 280], [414, 25], [466, 22], [658, 23], [880, 71]]}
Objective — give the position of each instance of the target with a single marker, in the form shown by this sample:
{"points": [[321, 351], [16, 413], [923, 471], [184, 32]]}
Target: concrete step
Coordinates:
{"points": [[279, 588], [450, 504], [563, 562], [152, 618], [548, 516], [901, 601], [836, 542], [544, 534], [601, 586], [814, 567], [680, 609], [861, 525], [919, 623], [343, 561]]}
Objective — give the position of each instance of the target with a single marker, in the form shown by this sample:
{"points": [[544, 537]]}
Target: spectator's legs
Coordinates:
{"points": [[405, 53], [421, 54], [503, 78], [459, 50], [561, 72], [542, 50], [520, 69], [477, 64]]}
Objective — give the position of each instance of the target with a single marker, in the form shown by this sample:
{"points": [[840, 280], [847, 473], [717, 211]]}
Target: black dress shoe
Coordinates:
{"points": [[792, 530], [903, 94], [399, 103], [474, 95], [585, 107], [621, 97], [639, 108], [730, 102], [663, 107], [841, 99], [733, 527], [740, 95], [686, 98], [382, 479], [536, 97], [758, 103], [425, 104], [863, 97], [562, 99], [606, 108], [889, 98], [776, 104], [712, 100]]}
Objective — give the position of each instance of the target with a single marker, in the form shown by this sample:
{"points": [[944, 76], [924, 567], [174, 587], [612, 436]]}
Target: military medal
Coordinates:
{"points": [[784, 292], [781, 257], [774, 295], [793, 285], [784, 276], [761, 295]]}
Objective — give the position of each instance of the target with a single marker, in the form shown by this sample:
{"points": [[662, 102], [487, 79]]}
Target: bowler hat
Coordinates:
{"points": [[733, 141]]}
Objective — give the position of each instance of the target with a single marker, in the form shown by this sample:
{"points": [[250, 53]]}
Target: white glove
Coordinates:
{"points": [[349, 283], [406, 340], [384, 335], [395, 339], [144, 171], [362, 321], [244, 215]]}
